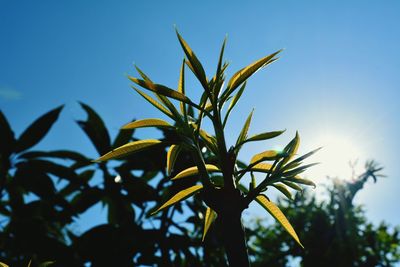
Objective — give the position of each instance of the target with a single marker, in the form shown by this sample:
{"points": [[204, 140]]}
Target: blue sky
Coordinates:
{"points": [[338, 75]]}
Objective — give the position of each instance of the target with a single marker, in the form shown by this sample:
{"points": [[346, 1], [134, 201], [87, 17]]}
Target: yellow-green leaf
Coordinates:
{"points": [[129, 148], [291, 148], [172, 154], [210, 141], [197, 68], [245, 129], [262, 167], [242, 75], [181, 195], [181, 87], [194, 170], [293, 186], [160, 89], [234, 100], [278, 215], [299, 180], [154, 103], [209, 218], [295, 163], [294, 172], [266, 155], [283, 190], [264, 136], [2, 264], [147, 123]]}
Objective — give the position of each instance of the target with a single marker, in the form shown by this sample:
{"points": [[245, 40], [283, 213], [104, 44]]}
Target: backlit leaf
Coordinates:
{"points": [[181, 195], [239, 77], [262, 167], [154, 103], [129, 148], [235, 99], [278, 215], [172, 154], [245, 129], [283, 190], [266, 155], [160, 89], [147, 123], [264, 136], [298, 170], [293, 164], [2, 264], [298, 180], [197, 68], [293, 186], [291, 148], [181, 87], [194, 171], [209, 218]]}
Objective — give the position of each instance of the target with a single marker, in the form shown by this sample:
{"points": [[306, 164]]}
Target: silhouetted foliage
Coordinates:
{"points": [[44, 192], [335, 232]]}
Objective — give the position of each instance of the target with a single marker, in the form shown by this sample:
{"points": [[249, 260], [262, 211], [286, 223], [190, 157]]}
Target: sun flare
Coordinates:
{"points": [[338, 154]]}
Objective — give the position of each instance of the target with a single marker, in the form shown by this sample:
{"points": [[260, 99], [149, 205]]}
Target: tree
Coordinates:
{"points": [[44, 192], [335, 232], [223, 195]]}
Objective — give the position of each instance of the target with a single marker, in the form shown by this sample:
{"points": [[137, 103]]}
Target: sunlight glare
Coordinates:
{"points": [[337, 155]]}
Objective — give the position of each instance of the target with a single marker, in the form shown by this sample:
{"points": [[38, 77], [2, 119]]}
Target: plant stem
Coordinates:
{"points": [[234, 240]]}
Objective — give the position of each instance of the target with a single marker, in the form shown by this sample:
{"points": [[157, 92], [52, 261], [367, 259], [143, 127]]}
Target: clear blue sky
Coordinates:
{"points": [[338, 75]]}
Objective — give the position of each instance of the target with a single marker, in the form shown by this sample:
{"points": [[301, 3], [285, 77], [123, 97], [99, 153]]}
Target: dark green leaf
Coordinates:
{"points": [[7, 140], [95, 129], [37, 130]]}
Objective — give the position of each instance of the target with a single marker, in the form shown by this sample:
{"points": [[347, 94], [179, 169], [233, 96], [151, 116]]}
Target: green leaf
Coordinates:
{"points": [[298, 170], [266, 155], [210, 141], [154, 103], [293, 186], [96, 130], [129, 148], [197, 68], [242, 75], [261, 167], [37, 130], [264, 136], [235, 99], [7, 136], [293, 164], [283, 190], [220, 70], [172, 155], [181, 195], [209, 218], [299, 180], [245, 129], [194, 171], [181, 87], [278, 215], [161, 89], [123, 137], [61, 154], [291, 149], [147, 123]]}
